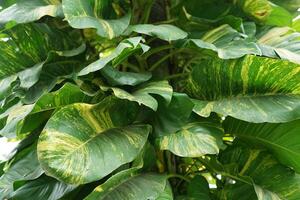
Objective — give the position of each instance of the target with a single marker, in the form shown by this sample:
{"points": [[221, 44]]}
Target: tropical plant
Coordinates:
{"points": [[149, 99]]}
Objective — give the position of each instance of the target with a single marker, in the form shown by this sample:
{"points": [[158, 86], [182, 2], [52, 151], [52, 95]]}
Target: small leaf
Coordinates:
{"points": [[142, 94], [193, 140], [164, 31], [198, 188]]}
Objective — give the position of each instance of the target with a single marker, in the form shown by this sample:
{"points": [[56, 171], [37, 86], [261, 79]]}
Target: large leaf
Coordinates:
{"points": [[30, 10], [131, 187], [142, 94], [24, 167], [253, 89], [42, 188], [94, 14], [123, 50], [193, 140], [259, 176], [227, 42], [281, 139], [82, 143], [68, 94]]}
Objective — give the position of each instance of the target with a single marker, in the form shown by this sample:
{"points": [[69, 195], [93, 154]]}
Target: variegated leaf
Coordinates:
{"points": [[252, 88], [281, 139], [30, 10], [95, 14], [258, 10], [258, 175], [227, 42], [83, 143], [193, 140]]}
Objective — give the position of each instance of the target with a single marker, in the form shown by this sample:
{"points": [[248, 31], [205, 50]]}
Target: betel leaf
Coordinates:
{"points": [[82, 143], [258, 173], [30, 10], [131, 187], [164, 31], [115, 77], [83, 14], [142, 94], [252, 88], [122, 51], [25, 166], [227, 42], [281, 139], [193, 140], [66, 95], [42, 188]]}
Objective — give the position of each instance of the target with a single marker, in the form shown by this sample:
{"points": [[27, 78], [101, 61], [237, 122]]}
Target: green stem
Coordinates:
{"points": [[155, 65], [178, 176], [157, 49], [176, 76]]}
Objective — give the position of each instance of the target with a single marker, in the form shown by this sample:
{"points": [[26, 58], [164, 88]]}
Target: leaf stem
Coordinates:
{"points": [[155, 65], [178, 176]]}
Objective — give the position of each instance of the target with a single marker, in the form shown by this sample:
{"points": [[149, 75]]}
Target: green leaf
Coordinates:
{"points": [[193, 140], [116, 78], [279, 17], [131, 187], [170, 118], [25, 166], [280, 139], [198, 188], [252, 88], [66, 95], [164, 31], [82, 14], [267, 178], [142, 94], [83, 143], [42, 188], [122, 51], [227, 42], [30, 10]]}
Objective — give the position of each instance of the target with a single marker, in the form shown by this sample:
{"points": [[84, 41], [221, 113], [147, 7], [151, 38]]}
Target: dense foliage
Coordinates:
{"points": [[150, 99]]}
